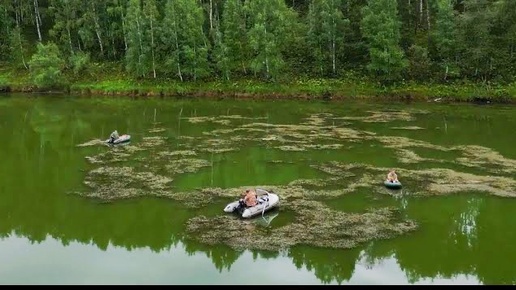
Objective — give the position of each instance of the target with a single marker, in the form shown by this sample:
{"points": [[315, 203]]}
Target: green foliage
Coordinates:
{"points": [[65, 14], [79, 62], [419, 63], [221, 55], [326, 26], [234, 37], [184, 45], [275, 40], [46, 66], [5, 26], [381, 27], [269, 24], [18, 45]]}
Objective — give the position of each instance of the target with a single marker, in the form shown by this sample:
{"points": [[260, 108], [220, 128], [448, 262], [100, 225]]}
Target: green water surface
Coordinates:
{"points": [[48, 236]]}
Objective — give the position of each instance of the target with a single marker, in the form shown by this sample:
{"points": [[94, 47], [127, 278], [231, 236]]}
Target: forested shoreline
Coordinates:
{"points": [[456, 49]]}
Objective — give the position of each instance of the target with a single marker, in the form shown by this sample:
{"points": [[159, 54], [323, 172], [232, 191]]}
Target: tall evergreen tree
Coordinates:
{"points": [[381, 27]]}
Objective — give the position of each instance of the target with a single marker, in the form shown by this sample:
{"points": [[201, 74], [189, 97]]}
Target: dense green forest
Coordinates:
{"points": [[382, 41]]}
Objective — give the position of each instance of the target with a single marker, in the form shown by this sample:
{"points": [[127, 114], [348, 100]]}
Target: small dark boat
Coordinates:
{"points": [[392, 184]]}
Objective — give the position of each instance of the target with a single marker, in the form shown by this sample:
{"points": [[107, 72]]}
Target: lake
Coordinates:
{"points": [[76, 211]]}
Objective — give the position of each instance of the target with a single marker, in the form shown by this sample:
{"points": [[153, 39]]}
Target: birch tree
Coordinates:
{"points": [[444, 35], [115, 11], [170, 35], [325, 33], [90, 29], [195, 45], [37, 19], [183, 34], [151, 15], [475, 39], [504, 37], [65, 15], [234, 36], [269, 22], [136, 56]]}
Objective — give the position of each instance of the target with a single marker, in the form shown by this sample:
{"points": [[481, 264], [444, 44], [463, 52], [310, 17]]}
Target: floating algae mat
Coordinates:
{"points": [[150, 167], [314, 225]]}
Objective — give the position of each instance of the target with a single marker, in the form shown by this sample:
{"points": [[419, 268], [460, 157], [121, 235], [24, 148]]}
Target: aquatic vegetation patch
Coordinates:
{"points": [[409, 156], [382, 117], [434, 181], [152, 141], [93, 142], [314, 224], [408, 128], [180, 166], [111, 183], [481, 157], [446, 181], [177, 153], [290, 148], [216, 120], [350, 134], [402, 142], [157, 130], [319, 182]]}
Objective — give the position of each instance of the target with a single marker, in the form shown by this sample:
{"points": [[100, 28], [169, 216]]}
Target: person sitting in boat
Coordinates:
{"points": [[249, 199], [392, 176], [113, 136]]}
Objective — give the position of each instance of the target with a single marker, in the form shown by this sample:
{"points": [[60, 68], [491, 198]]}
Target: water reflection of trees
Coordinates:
{"points": [[443, 248], [329, 265]]}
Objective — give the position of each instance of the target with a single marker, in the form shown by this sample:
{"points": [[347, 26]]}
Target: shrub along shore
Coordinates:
{"points": [[112, 81]]}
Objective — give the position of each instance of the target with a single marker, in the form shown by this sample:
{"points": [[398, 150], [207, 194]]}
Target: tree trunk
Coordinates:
{"points": [[428, 16], [266, 55], [152, 48], [123, 31], [211, 15], [333, 56], [141, 45], [69, 38], [38, 19], [97, 28], [421, 11], [177, 49], [21, 48]]}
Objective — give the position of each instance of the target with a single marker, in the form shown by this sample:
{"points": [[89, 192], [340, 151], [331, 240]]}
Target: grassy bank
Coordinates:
{"points": [[111, 80]]}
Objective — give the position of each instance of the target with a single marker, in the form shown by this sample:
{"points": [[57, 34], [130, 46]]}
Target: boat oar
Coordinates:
{"points": [[266, 204]]}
